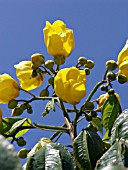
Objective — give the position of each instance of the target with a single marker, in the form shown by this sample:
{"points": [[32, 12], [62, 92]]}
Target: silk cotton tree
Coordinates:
{"points": [[88, 150]]}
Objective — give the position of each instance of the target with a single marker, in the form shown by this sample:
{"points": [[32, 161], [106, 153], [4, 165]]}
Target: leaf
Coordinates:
{"points": [[114, 167], [111, 156], [51, 156], [15, 129], [48, 107], [110, 111], [97, 124], [8, 157], [120, 128]]}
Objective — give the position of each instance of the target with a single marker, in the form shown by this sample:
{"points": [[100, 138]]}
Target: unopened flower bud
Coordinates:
{"points": [[111, 91], [12, 104], [111, 65], [44, 93], [51, 81], [104, 88], [89, 64], [111, 76], [89, 106], [21, 141], [88, 118], [23, 106], [87, 71], [59, 60], [122, 79], [23, 153], [82, 61], [93, 113], [49, 64], [17, 111], [29, 109], [37, 59], [34, 73]]}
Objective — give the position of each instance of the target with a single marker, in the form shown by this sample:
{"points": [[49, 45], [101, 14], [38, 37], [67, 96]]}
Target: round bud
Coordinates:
{"points": [[37, 59], [93, 113], [29, 109], [89, 106], [111, 91], [23, 106], [82, 61], [104, 88], [44, 93], [21, 141], [12, 104], [59, 60], [49, 64], [87, 71], [89, 64], [34, 73], [17, 111], [23, 153], [122, 79], [111, 76], [51, 81], [111, 65], [89, 118]]}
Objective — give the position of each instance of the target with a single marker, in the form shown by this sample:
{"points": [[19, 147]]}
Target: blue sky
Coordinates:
{"points": [[100, 29]]}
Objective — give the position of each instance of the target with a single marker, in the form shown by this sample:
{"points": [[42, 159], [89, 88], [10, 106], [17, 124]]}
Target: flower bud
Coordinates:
{"points": [[12, 104], [49, 64], [122, 79], [89, 106], [89, 64], [37, 59], [111, 65], [23, 153], [111, 91], [82, 61], [34, 73], [44, 93], [17, 111], [104, 88], [23, 106], [51, 81], [87, 71], [88, 118], [93, 113], [59, 60], [21, 141], [111, 76], [29, 109]]}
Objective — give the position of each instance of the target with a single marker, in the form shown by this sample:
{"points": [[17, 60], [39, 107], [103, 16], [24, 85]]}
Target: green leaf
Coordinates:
{"points": [[112, 156], [48, 107], [8, 157], [51, 156], [97, 124], [120, 128], [110, 111], [12, 126], [114, 167]]}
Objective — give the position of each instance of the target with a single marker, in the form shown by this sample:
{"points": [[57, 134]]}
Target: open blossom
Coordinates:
{"points": [[58, 39], [24, 74], [123, 60], [8, 88], [69, 85]]}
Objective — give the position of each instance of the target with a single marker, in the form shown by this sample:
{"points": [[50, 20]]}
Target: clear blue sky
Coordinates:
{"points": [[100, 29]]}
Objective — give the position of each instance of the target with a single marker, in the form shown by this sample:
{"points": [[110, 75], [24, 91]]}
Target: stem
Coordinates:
{"points": [[75, 121], [27, 92], [126, 156], [57, 67], [46, 70]]}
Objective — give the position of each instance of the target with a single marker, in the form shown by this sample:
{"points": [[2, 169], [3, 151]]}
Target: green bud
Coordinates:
{"points": [[51, 81], [44, 93], [93, 113], [89, 106], [87, 71], [59, 60], [89, 64], [89, 118], [23, 153], [17, 111], [29, 109], [111, 65], [111, 76], [104, 88], [23, 106], [21, 141], [37, 59], [122, 79], [12, 104], [82, 61], [111, 91], [34, 73], [49, 64]]}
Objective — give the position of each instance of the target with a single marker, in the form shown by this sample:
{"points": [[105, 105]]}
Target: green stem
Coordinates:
{"points": [[75, 121]]}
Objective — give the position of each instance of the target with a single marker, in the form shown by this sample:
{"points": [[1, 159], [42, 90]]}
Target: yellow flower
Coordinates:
{"points": [[8, 88], [123, 61], [58, 39], [69, 85], [24, 74]]}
